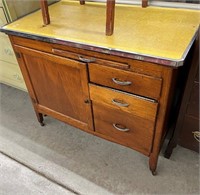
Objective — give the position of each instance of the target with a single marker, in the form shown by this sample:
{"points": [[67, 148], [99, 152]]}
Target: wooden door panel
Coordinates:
{"points": [[60, 84]]}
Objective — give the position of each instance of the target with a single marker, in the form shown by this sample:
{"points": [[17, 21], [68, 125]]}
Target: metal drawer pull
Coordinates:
{"points": [[196, 135], [118, 103], [86, 59], [116, 126], [115, 80]]}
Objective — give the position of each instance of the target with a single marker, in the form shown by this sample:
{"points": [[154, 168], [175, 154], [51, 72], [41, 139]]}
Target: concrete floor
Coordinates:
{"points": [[16, 179], [81, 163]]}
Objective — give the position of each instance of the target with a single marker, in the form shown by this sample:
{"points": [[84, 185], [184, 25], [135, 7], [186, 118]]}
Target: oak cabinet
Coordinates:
{"points": [[121, 87], [119, 99]]}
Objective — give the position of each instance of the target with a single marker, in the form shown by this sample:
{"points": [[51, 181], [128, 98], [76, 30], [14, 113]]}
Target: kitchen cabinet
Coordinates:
{"points": [[67, 83], [120, 87]]}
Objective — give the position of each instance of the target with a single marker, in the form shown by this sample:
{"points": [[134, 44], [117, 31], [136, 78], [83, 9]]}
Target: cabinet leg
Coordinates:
{"points": [[153, 159], [171, 145], [40, 118]]}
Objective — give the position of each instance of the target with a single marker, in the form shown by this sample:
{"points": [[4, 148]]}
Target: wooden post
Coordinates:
{"points": [[45, 12], [82, 2], [110, 14], [144, 3]]}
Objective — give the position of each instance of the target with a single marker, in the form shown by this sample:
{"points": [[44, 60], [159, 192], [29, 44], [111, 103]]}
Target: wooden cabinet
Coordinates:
{"points": [[118, 87], [117, 98]]}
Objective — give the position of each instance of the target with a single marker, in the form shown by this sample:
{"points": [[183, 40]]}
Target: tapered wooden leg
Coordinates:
{"points": [[153, 160], [110, 14], [45, 12], [171, 145], [40, 118]]}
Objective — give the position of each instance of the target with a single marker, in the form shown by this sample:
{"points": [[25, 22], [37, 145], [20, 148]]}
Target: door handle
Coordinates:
{"points": [[86, 60]]}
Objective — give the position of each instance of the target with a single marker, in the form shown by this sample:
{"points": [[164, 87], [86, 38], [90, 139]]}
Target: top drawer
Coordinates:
{"points": [[136, 83]]}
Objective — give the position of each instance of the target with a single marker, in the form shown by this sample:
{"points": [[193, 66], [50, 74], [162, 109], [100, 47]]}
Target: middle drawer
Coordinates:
{"points": [[128, 103]]}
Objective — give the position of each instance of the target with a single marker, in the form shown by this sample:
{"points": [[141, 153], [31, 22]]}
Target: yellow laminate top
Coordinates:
{"points": [[152, 31]]}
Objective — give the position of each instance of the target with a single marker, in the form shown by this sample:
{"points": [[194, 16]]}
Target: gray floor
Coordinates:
{"points": [[16, 179], [84, 163]]}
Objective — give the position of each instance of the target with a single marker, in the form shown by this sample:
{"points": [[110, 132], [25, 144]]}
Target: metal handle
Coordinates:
{"points": [[115, 80], [118, 103], [196, 135], [116, 126], [86, 59]]}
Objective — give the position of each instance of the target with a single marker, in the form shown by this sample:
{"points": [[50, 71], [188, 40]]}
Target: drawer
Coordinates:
{"points": [[132, 82], [128, 103], [123, 128], [187, 137], [10, 74], [2, 18]]}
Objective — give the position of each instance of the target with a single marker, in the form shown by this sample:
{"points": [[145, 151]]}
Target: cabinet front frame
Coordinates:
{"points": [[167, 74]]}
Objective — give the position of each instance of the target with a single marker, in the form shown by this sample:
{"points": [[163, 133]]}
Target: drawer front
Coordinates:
{"points": [[125, 129], [2, 18], [6, 51], [10, 74], [130, 104], [135, 83]]}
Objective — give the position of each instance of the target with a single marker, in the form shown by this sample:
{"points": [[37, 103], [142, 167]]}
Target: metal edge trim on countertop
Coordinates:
{"points": [[116, 52], [190, 44]]}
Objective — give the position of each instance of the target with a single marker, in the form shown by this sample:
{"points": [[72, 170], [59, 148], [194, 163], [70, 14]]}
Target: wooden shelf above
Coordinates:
{"points": [[110, 13]]}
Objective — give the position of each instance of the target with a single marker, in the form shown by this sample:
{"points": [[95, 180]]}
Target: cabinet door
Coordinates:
{"points": [[59, 85]]}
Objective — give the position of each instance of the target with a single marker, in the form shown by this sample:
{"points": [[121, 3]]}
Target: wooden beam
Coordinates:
{"points": [[144, 3], [110, 14], [45, 12]]}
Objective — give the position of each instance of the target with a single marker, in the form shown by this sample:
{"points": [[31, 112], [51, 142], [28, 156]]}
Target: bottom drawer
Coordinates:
{"points": [[10, 74], [125, 129], [187, 137]]}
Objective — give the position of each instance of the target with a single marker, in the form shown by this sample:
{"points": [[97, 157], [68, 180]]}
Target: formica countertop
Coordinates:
{"points": [[160, 35]]}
